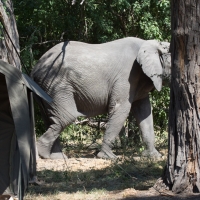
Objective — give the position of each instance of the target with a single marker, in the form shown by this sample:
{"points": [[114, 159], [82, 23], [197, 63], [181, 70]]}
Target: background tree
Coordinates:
{"points": [[7, 18], [44, 23], [183, 167]]}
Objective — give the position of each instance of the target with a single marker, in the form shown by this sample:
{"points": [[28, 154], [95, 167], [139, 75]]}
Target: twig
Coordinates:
{"points": [[74, 1], [163, 193], [50, 41]]}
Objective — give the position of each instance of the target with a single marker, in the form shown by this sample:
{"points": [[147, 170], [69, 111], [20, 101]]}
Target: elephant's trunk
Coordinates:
{"points": [[166, 64]]}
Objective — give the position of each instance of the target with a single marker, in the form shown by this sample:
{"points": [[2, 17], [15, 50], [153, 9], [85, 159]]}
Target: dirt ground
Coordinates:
{"points": [[81, 178]]}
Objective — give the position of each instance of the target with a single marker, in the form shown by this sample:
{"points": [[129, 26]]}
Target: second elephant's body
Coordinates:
{"points": [[93, 79]]}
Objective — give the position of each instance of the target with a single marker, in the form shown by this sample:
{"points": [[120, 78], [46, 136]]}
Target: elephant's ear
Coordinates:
{"points": [[149, 59]]}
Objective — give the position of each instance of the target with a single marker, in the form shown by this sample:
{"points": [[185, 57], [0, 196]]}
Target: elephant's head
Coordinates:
{"points": [[155, 60]]}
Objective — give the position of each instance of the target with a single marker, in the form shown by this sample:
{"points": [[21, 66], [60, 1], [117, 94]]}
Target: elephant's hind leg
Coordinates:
{"points": [[48, 144], [116, 121]]}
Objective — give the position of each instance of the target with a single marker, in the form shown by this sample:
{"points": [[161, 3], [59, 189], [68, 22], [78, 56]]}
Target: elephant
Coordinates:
{"points": [[93, 79]]}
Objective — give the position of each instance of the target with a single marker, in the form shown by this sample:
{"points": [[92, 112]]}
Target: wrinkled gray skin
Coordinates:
{"points": [[93, 79]]}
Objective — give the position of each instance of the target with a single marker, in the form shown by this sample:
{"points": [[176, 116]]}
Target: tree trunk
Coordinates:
{"points": [[7, 18], [183, 167]]}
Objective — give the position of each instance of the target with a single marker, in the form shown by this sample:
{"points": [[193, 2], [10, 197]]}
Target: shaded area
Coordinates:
{"points": [[90, 178], [118, 176], [7, 131], [196, 197]]}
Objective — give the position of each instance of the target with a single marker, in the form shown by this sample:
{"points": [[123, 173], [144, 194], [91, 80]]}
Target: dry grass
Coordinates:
{"points": [[91, 178]]}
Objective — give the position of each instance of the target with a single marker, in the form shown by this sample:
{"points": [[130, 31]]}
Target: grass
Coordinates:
{"points": [[95, 183], [85, 177]]}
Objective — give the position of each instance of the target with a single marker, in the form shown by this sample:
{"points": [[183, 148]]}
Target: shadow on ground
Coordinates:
{"points": [[194, 197], [121, 180], [118, 176]]}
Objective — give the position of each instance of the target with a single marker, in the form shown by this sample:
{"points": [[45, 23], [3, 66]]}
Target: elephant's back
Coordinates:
{"points": [[79, 53], [84, 65]]}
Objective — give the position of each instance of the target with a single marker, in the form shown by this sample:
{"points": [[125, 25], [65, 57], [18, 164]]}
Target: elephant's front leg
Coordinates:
{"points": [[142, 111], [117, 117]]}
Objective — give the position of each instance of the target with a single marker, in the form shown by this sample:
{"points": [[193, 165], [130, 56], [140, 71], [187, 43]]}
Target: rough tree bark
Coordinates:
{"points": [[7, 18], [183, 167]]}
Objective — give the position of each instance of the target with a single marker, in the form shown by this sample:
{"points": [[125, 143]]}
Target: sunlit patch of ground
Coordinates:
{"points": [[92, 178], [89, 178]]}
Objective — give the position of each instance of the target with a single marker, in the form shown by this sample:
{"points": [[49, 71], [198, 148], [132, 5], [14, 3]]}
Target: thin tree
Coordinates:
{"points": [[183, 167], [8, 24]]}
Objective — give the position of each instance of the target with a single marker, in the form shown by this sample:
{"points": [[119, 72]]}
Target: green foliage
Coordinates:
{"points": [[44, 23], [152, 19], [160, 105], [40, 127], [79, 137]]}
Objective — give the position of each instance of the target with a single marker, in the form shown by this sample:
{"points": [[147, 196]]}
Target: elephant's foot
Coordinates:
{"points": [[58, 155], [106, 153], [49, 151], [44, 149], [56, 151], [153, 154]]}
